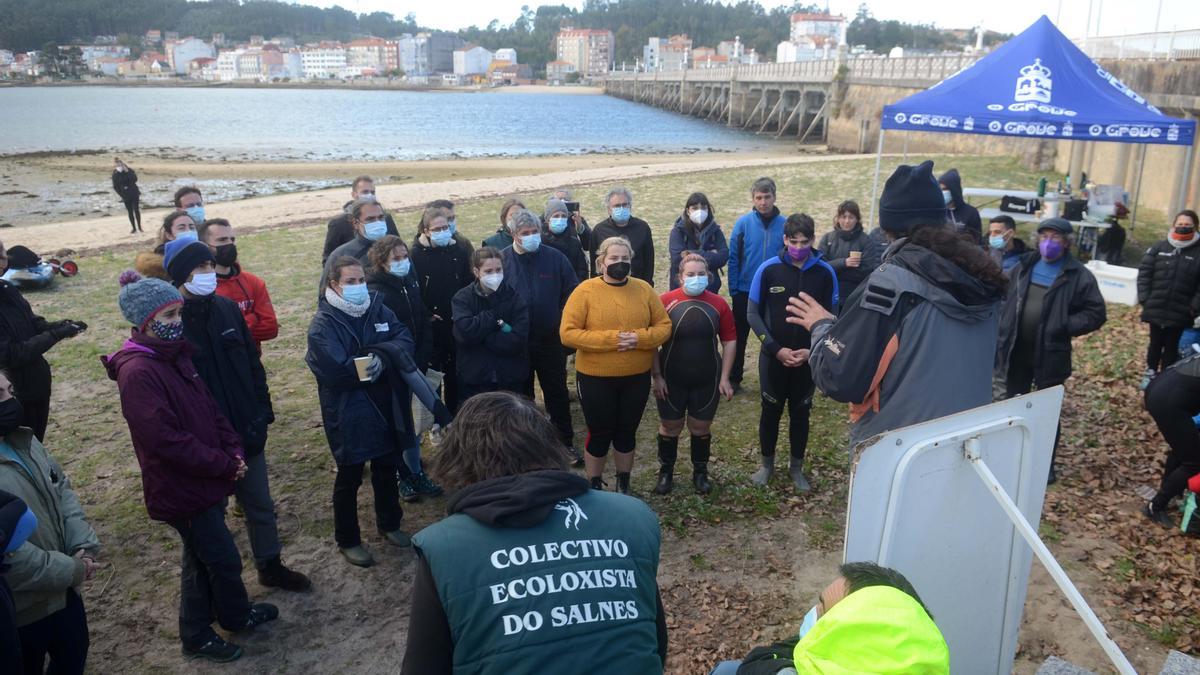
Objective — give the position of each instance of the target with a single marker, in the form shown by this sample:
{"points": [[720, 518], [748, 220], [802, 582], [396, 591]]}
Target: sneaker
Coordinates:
{"points": [[277, 575], [576, 457], [357, 556], [1147, 378], [407, 492], [396, 538], [1159, 517], [260, 613], [424, 486], [216, 650]]}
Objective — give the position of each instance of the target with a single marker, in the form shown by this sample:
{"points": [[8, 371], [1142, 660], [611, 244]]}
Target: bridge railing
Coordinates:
{"points": [[1172, 46], [928, 69]]}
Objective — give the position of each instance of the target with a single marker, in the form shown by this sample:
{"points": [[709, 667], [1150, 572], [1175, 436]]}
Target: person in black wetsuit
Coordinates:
{"points": [[783, 371], [1173, 399], [689, 375]]}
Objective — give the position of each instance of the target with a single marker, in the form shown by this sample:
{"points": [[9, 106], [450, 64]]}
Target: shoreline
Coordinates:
{"points": [[353, 85]]}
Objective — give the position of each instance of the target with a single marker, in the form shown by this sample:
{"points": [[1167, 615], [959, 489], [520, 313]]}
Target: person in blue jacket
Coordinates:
{"points": [[755, 238], [697, 231]]}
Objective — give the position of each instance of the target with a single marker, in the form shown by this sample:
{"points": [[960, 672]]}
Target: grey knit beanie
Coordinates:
{"points": [[141, 298], [553, 206]]}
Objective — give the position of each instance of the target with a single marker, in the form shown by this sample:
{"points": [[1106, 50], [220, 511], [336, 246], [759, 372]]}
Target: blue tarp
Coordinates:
{"points": [[1038, 85]]}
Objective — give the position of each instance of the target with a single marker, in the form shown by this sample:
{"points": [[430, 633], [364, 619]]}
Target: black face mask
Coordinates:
{"points": [[618, 271], [11, 416], [226, 255]]}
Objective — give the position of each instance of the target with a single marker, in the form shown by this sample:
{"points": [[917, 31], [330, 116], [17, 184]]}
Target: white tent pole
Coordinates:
{"points": [[875, 185], [971, 447]]}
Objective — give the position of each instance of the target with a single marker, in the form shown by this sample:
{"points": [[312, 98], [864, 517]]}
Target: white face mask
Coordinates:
{"points": [[492, 281], [202, 284], [699, 216]]}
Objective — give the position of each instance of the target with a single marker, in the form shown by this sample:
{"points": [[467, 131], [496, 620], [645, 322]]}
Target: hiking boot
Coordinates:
{"points": [[407, 491], [276, 575], [623, 482], [260, 613], [796, 471], [424, 486], [396, 538], [1157, 516], [575, 456], [216, 650], [763, 475], [598, 483], [358, 555], [1147, 378], [666, 479], [700, 478]]}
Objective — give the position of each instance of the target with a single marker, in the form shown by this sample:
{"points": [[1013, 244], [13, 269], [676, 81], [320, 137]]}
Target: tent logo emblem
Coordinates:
{"points": [[901, 118], [994, 126], [969, 124], [1173, 132], [1095, 130], [1034, 84]]}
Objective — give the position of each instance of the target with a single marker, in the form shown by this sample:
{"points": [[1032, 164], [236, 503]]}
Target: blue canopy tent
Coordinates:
{"points": [[1036, 85]]}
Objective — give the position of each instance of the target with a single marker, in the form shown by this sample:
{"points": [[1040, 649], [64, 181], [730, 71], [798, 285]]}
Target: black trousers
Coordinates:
{"points": [[1020, 382], [1163, 349], [468, 389], [37, 414], [63, 636], [548, 362], [345, 500], [133, 208], [1172, 399], [211, 582], [782, 386], [612, 407], [444, 360], [740, 302]]}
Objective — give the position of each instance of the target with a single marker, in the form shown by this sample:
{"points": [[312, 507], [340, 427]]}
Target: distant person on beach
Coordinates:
{"points": [[502, 237], [226, 357], [442, 268], [246, 290], [47, 573], [848, 249], [124, 182], [621, 223], [24, 338], [491, 326], [369, 221], [696, 231], [755, 239], [191, 459], [460, 239], [341, 228], [558, 233], [577, 220], [531, 572], [617, 324], [176, 224]]}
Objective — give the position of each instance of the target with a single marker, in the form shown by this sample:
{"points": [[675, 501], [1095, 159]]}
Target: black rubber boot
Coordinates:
{"points": [[763, 475], [668, 450], [796, 471], [701, 449], [623, 482]]}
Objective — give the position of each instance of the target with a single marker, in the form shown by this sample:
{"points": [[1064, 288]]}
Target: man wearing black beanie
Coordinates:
{"points": [[916, 339]]}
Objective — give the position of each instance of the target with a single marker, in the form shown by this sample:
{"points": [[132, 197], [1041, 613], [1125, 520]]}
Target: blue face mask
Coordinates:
{"points": [[531, 242], [558, 225], [996, 242], [197, 213], [810, 620], [400, 267], [946, 197], [621, 214], [441, 237], [374, 229], [453, 223], [186, 235], [694, 286], [356, 294]]}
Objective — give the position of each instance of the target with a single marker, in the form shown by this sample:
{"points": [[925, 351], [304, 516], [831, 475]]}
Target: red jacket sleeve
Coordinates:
{"points": [[261, 321]]}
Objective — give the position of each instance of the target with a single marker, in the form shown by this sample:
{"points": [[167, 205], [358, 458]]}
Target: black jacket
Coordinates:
{"points": [[1169, 285], [441, 271], [964, 216], [340, 230], [837, 245], [545, 280], [24, 337], [403, 297], [637, 231], [125, 185], [227, 360], [487, 354], [569, 245], [1072, 307]]}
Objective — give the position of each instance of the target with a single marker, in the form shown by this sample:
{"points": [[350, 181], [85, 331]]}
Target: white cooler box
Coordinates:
{"points": [[1118, 284]]}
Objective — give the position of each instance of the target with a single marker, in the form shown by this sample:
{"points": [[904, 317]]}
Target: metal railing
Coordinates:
{"points": [[1172, 46], [860, 69]]}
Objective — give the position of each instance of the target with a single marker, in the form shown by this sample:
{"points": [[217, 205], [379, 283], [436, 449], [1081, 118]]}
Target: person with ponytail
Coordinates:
{"points": [[191, 458], [1169, 291]]}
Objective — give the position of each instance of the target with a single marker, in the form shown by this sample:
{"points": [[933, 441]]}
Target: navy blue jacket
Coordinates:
{"points": [[750, 244], [355, 426], [544, 279], [403, 297], [709, 242], [486, 354], [775, 282]]}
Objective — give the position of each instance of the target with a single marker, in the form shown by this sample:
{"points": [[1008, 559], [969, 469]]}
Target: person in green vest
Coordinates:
{"points": [[531, 567], [868, 620]]}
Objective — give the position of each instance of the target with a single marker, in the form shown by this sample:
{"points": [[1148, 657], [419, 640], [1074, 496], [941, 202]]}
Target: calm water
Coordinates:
{"points": [[333, 124]]}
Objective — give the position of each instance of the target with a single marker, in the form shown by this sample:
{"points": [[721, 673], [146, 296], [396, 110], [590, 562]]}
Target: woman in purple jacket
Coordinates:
{"points": [[190, 458]]}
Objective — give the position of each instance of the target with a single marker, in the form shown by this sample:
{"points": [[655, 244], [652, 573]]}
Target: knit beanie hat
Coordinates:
{"points": [[554, 205], [911, 197], [182, 256], [142, 298]]}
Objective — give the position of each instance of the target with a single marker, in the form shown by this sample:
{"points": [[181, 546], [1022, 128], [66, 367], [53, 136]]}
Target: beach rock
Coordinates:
{"points": [[1180, 664], [1056, 666]]}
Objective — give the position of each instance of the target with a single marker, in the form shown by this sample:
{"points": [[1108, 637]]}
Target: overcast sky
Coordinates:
{"points": [[1115, 17]]}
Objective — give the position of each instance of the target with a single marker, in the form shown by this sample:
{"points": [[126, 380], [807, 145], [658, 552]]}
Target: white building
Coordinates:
{"points": [[323, 61], [471, 60], [6, 58], [666, 54], [803, 50], [227, 65], [293, 64], [506, 54], [181, 52], [818, 27]]}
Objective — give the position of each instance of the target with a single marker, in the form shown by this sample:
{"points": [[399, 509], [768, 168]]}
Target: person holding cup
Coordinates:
{"points": [[849, 250]]}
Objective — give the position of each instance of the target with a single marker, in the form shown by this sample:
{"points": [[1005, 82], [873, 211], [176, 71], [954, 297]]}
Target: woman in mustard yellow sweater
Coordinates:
{"points": [[616, 323]]}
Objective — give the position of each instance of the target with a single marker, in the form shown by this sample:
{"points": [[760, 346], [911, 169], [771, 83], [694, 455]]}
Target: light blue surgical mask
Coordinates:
{"points": [[558, 225], [694, 286], [531, 242], [400, 267], [996, 242], [441, 237], [197, 213], [356, 294], [810, 620], [374, 229], [453, 223], [621, 214], [946, 197], [187, 235]]}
